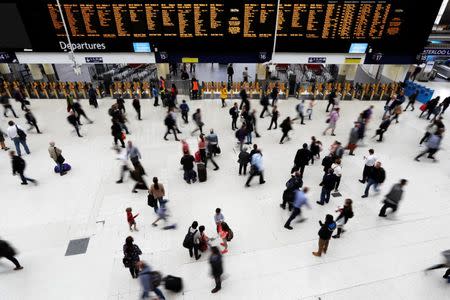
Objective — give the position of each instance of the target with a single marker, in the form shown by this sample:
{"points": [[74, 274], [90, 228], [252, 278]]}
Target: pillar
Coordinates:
{"points": [[347, 72], [260, 72], [4, 69], [49, 71], [35, 71], [394, 72], [163, 70]]}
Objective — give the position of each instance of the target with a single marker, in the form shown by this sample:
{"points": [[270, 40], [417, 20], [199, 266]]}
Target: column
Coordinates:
{"points": [[394, 72], [163, 70], [49, 71], [35, 71]]}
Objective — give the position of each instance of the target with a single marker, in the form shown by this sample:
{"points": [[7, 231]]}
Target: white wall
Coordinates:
{"points": [[302, 58], [394, 72], [63, 58]]}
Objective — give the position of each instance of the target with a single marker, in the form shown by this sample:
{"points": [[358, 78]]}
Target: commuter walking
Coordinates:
{"points": [[80, 112], [331, 99], [191, 240], [244, 99], [368, 165], [325, 232], [92, 96], [187, 161], [72, 119], [333, 117], [264, 103], [446, 264], [412, 100], [197, 117], [18, 96], [4, 100], [292, 185], [256, 168], [353, 139], [243, 160], [18, 136], [131, 257], [328, 183], [224, 95], [184, 107], [345, 213], [137, 107], [382, 128], [134, 154], [155, 95], [158, 192], [170, 123], [69, 102], [430, 106], [31, 120], [445, 104], [300, 108], [2, 140], [116, 132], [149, 281], [8, 252], [430, 130], [124, 160], [215, 261], [286, 126], [300, 199], [18, 167], [274, 118], [302, 159], [375, 177], [315, 147], [274, 94], [234, 113], [121, 104], [433, 145], [393, 198], [56, 154]]}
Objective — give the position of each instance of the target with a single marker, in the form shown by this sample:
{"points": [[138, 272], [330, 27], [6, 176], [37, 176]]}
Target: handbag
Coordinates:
{"points": [[22, 135], [218, 151], [126, 262], [328, 120], [59, 158], [151, 201]]}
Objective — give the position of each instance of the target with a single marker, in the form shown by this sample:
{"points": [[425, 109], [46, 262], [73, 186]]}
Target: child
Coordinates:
{"points": [[345, 213], [218, 218], [326, 229], [130, 219]]}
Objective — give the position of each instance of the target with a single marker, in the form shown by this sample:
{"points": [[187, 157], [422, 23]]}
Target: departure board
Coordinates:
{"points": [[229, 26]]}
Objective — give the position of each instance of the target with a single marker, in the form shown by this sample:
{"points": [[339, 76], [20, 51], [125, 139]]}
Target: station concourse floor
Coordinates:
{"points": [[375, 259]]}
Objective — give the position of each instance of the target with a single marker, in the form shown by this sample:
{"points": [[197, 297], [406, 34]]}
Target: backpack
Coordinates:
{"points": [[22, 135], [151, 201], [189, 239], [231, 111], [155, 278], [230, 235]]}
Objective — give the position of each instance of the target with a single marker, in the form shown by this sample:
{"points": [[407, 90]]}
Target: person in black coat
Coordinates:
{"points": [[293, 184], [170, 124], [265, 103], [215, 261], [116, 132], [286, 126], [244, 100], [234, 113], [274, 94], [412, 100], [92, 96], [327, 184], [131, 254], [301, 159], [8, 252], [72, 119], [31, 120], [327, 162], [137, 107], [331, 97], [18, 166], [243, 160], [376, 176], [187, 161], [17, 94], [4, 100], [121, 104], [80, 112], [383, 128], [274, 119], [325, 232]]}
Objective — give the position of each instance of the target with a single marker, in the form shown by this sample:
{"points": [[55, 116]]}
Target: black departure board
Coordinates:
{"points": [[229, 26]]}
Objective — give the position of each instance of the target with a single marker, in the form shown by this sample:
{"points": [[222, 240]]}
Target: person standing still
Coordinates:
{"points": [[92, 96], [368, 165], [243, 160], [184, 111], [230, 72], [56, 154], [137, 107], [274, 119], [224, 95], [131, 254], [234, 112], [325, 232]]}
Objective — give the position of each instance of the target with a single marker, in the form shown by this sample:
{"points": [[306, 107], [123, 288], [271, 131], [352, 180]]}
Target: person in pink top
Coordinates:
{"points": [[333, 117], [202, 147]]}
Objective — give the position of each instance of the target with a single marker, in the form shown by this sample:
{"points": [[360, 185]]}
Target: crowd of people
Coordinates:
{"points": [[194, 164]]}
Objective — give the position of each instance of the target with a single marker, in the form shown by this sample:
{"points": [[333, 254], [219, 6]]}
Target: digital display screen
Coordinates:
{"points": [[229, 26], [141, 47], [358, 48]]}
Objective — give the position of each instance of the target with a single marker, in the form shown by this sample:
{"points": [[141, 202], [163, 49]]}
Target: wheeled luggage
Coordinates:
{"points": [[201, 170], [173, 283], [65, 168]]}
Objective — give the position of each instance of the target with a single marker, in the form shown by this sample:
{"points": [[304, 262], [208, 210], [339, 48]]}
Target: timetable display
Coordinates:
{"points": [[224, 26]]}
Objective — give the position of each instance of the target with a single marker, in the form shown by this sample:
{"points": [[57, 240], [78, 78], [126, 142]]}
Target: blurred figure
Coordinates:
{"points": [[274, 119], [184, 111], [215, 260], [8, 252], [2, 140], [345, 213], [137, 107], [92, 96], [80, 112], [333, 117], [393, 198], [17, 94], [4, 100], [31, 120], [72, 119], [446, 264], [375, 177], [150, 281], [256, 168], [433, 145], [286, 126], [300, 199], [18, 166]]}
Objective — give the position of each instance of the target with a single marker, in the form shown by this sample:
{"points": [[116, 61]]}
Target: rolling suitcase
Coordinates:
{"points": [[65, 168], [201, 170], [174, 284]]}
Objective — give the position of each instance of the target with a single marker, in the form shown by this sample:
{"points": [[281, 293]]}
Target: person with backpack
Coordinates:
{"points": [[274, 119], [149, 280], [191, 240], [197, 117], [131, 254], [31, 120], [264, 103], [300, 108], [325, 232], [301, 159], [137, 106], [170, 123], [300, 199], [8, 252], [345, 213], [18, 136], [234, 113], [292, 185], [226, 234], [285, 126], [243, 160], [4, 100], [92, 96], [184, 111], [215, 261], [328, 183]]}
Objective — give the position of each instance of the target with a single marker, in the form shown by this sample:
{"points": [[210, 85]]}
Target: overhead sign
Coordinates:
{"points": [[94, 60], [352, 60], [437, 52], [189, 60], [317, 60], [8, 57]]}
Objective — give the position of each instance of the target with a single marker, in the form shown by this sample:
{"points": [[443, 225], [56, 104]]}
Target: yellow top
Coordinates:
{"points": [[224, 93]]}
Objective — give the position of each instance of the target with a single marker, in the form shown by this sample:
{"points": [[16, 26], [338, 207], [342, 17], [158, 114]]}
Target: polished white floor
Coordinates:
{"points": [[375, 259]]}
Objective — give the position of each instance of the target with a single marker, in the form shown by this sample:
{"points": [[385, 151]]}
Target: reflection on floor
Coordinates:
{"points": [[375, 259]]}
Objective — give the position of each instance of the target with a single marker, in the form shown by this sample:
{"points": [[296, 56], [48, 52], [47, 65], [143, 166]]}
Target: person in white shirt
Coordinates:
{"points": [[370, 162], [13, 134], [337, 171]]}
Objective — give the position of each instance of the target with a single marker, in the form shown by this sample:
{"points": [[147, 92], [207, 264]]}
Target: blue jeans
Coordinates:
{"points": [[325, 195], [17, 141], [249, 138], [371, 182]]}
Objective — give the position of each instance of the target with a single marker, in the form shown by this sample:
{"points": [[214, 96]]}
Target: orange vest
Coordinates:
{"points": [[195, 85]]}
